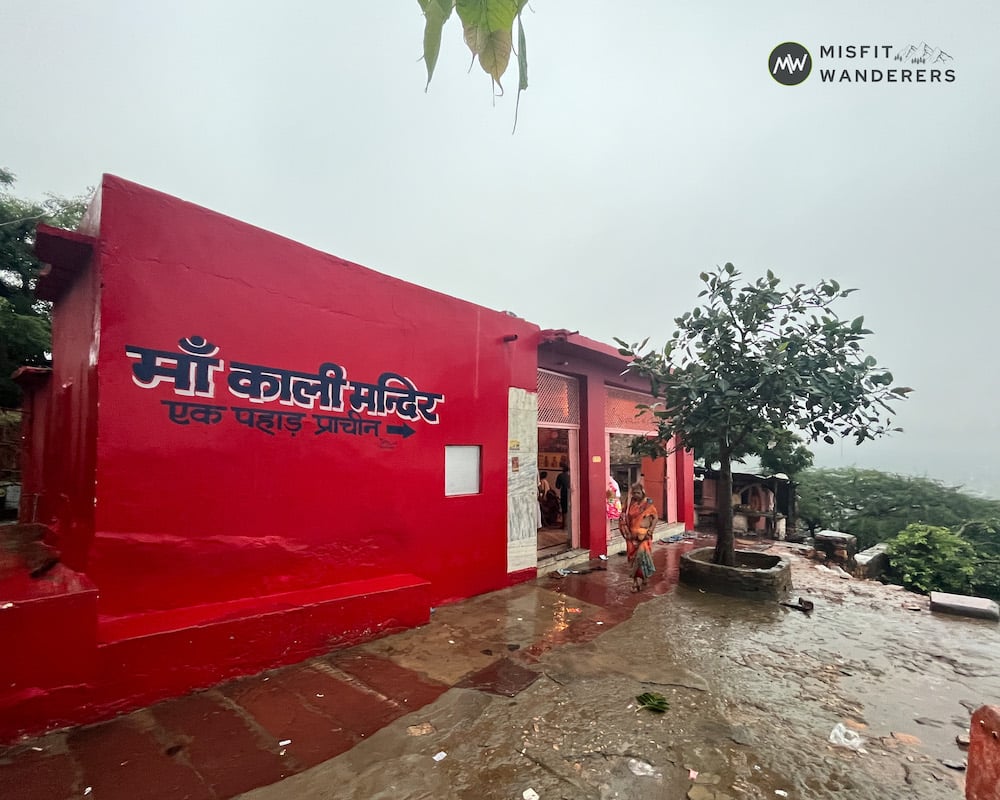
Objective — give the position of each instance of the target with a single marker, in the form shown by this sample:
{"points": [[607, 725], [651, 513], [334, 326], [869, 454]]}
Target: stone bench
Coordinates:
{"points": [[872, 562], [836, 546], [965, 606]]}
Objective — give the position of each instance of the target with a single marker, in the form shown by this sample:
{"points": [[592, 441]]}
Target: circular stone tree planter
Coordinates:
{"points": [[756, 575]]}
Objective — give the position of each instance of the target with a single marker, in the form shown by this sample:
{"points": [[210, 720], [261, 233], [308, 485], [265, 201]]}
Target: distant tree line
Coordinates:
{"points": [[939, 537]]}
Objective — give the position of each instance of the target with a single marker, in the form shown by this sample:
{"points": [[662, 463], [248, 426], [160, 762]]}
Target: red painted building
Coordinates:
{"points": [[248, 452]]}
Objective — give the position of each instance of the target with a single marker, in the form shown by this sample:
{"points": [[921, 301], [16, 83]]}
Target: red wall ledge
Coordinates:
{"points": [[140, 659], [514, 578]]}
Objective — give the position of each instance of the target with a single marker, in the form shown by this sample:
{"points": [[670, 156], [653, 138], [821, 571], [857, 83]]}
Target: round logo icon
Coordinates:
{"points": [[789, 63]]}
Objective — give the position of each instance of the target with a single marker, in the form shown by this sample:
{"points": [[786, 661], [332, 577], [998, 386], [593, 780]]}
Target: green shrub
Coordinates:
{"points": [[927, 558], [984, 536]]}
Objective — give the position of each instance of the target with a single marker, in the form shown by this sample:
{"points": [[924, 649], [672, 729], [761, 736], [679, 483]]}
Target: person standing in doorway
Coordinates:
{"points": [[543, 484], [562, 485], [548, 503]]}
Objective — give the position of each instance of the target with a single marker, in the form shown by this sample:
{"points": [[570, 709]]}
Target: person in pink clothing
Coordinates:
{"points": [[614, 499]]}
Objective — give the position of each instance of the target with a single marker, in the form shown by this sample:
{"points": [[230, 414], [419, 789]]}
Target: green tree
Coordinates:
{"points": [[785, 452], [753, 359], [874, 506], [929, 558], [25, 328]]}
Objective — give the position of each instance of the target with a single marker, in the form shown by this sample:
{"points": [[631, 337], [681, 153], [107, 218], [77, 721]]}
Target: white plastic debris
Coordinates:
{"points": [[841, 736], [284, 743], [87, 791], [641, 768], [7, 605], [440, 756], [529, 794], [781, 793]]}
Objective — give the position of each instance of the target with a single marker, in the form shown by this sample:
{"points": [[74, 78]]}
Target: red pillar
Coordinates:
{"points": [[593, 469], [684, 461], [982, 778]]}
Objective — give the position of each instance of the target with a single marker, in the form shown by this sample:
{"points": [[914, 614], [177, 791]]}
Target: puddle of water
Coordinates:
{"points": [[860, 657]]}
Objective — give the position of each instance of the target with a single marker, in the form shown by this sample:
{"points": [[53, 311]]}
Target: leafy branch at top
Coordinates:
{"points": [[488, 30]]}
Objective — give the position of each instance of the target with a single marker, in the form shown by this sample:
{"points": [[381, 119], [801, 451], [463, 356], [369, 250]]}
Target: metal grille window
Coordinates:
{"points": [[620, 412], [558, 399]]}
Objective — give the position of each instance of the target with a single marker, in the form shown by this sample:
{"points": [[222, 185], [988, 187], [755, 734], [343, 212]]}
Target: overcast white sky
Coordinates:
{"points": [[652, 144]]}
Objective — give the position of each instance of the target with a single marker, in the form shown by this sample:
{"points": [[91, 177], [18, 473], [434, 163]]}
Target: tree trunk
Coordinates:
{"points": [[793, 512], [725, 551]]}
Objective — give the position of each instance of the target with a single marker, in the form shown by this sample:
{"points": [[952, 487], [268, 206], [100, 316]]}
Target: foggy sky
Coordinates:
{"points": [[652, 144]]}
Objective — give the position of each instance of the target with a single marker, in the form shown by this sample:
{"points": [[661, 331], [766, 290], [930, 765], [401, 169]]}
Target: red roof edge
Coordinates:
{"points": [[64, 254], [573, 337], [31, 376]]}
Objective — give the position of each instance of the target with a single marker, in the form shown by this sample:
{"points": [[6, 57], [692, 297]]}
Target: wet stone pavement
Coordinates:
{"points": [[531, 691]]}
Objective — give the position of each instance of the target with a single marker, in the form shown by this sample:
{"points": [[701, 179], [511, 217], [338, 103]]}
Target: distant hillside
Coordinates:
{"points": [[874, 506]]}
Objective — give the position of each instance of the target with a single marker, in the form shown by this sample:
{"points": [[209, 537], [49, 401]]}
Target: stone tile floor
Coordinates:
{"points": [[255, 731]]}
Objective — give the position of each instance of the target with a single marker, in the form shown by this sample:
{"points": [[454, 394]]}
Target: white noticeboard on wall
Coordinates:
{"points": [[462, 469]]}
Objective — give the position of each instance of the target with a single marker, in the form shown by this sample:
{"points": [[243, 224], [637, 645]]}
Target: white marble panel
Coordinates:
{"points": [[522, 480]]}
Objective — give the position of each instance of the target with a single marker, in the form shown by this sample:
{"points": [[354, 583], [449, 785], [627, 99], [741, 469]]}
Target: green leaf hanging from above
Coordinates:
{"points": [[488, 31], [494, 54], [436, 13]]}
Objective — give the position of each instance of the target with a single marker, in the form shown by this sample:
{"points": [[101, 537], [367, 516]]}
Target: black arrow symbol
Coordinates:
{"points": [[403, 430]]}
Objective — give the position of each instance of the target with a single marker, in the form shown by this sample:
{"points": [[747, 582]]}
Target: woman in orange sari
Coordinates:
{"points": [[636, 524]]}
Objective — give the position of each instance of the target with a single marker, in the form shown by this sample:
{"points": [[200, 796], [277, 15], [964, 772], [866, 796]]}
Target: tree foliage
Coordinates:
{"points": [[25, 329], [488, 30], [753, 359], [785, 452], [930, 558], [874, 506], [778, 450]]}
